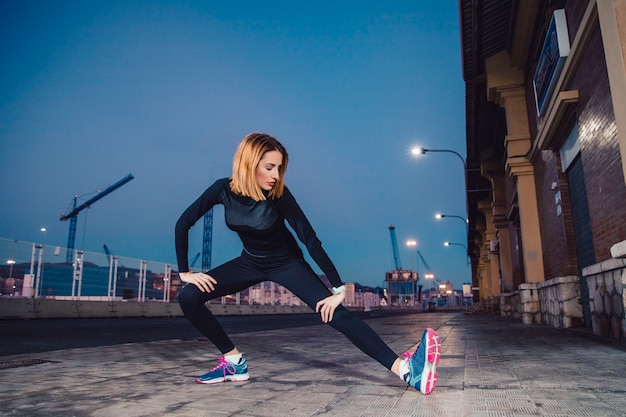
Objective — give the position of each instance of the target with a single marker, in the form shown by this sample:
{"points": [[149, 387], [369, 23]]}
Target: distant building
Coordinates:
{"points": [[402, 288]]}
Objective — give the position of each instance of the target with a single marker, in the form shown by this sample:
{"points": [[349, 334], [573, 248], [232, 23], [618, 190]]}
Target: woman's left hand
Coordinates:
{"points": [[328, 305]]}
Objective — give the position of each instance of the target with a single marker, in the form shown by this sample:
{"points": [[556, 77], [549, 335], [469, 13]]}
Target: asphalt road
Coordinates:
{"points": [[36, 336]]}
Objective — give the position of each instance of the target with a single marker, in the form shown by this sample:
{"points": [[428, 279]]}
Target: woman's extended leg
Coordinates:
{"points": [[300, 279], [417, 368]]}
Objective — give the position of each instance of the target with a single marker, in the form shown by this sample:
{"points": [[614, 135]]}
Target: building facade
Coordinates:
{"points": [[546, 159]]}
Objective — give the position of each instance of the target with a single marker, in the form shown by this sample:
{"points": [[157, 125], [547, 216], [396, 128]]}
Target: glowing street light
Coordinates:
{"points": [[423, 151], [411, 243], [453, 243], [458, 244], [11, 262], [465, 221]]}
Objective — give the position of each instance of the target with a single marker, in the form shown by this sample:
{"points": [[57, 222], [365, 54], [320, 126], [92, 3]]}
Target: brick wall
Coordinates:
{"points": [[574, 11], [557, 234], [600, 157], [600, 150]]}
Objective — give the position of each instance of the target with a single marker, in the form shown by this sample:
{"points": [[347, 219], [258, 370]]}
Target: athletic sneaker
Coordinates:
{"points": [[421, 373], [225, 372]]}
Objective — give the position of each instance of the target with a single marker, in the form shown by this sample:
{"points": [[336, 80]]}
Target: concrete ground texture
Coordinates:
{"points": [[490, 366]]}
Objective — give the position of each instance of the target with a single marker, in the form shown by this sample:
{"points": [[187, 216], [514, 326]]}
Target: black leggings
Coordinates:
{"points": [[294, 274]]}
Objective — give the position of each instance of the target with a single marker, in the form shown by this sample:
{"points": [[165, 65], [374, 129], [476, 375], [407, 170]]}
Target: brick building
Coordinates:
{"points": [[546, 159]]}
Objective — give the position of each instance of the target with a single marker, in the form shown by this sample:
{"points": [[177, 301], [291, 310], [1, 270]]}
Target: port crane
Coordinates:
{"points": [[72, 215], [207, 238], [394, 246], [107, 252], [401, 284], [193, 261]]}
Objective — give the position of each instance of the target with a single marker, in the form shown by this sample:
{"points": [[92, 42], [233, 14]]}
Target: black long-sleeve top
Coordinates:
{"points": [[259, 224]]}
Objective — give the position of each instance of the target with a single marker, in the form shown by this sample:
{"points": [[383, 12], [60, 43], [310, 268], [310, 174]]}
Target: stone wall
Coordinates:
{"points": [[491, 305], [529, 302], [42, 308], [560, 300], [607, 300]]}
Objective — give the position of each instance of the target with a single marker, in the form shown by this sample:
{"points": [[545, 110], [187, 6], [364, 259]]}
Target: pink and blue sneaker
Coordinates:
{"points": [[422, 364], [226, 371]]}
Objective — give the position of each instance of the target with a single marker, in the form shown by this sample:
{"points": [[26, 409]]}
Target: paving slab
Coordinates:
{"points": [[490, 367]]}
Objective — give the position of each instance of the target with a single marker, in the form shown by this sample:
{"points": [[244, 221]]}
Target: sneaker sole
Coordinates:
{"points": [[428, 381], [228, 378]]}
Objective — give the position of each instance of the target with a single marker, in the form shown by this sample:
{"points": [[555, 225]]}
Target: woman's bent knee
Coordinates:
{"points": [[190, 296]]}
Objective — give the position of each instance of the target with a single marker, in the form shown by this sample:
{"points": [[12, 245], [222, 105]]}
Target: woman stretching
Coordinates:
{"points": [[256, 205]]}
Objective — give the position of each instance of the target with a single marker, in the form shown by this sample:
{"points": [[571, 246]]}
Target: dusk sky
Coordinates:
{"points": [[92, 91]]}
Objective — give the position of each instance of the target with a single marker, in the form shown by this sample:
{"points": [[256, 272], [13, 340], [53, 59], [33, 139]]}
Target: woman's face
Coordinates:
{"points": [[267, 171]]}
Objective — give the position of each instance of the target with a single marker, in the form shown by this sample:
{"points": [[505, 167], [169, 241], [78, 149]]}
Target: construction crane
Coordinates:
{"points": [[193, 261], [108, 252], [428, 268], [207, 238], [394, 245], [72, 216]]}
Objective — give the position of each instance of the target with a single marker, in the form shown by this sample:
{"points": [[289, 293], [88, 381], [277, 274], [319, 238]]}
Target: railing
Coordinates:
{"points": [[34, 270]]}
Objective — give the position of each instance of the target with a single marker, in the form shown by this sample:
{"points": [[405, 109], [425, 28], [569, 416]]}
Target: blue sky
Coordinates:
{"points": [[94, 90]]}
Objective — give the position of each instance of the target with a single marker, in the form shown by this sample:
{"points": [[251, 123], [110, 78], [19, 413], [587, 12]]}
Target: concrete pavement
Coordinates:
{"points": [[490, 367]]}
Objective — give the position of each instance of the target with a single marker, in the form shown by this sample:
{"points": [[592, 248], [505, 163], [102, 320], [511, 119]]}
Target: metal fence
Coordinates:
{"points": [[31, 269]]}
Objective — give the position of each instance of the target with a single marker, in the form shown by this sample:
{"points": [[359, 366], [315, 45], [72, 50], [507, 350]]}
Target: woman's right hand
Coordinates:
{"points": [[204, 282]]}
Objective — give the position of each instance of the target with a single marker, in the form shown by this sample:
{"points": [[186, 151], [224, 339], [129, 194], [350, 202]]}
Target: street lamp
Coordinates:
{"points": [[453, 243], [464, 220], [430, 277], [11, 262], [411, 244], [423, 151], [459, 244]]}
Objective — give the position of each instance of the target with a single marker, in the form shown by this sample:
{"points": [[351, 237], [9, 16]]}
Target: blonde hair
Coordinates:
{"points": [[249, 152]]}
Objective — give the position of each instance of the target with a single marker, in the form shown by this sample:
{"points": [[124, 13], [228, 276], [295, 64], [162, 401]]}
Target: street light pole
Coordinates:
{"points": [[459, 244], [423, 151], [464, 220], [11, 262], [411, 243], [43, 262]]}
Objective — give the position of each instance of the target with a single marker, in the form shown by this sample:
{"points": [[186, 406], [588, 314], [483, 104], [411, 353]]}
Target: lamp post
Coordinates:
{"points": [[11, 262], [45, 234], [423, 151], [411, 243], [430, 277], [453, 243], [458, 244], [464, 220]]}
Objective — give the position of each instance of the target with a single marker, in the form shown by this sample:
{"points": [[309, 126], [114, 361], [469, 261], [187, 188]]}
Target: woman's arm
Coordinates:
{"points": [[300, 224], [190, 216]]}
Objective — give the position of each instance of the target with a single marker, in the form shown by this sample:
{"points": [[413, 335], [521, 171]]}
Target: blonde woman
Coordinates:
{"points": [[257, 205]]}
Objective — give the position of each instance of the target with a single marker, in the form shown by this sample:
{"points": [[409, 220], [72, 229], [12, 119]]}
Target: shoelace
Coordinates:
{"points": [[408, 354], [225, 366]]}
